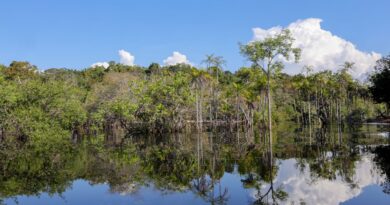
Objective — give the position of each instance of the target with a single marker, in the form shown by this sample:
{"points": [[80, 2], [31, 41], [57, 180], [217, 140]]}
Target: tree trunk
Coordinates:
{"points": [[304, 120], [331, 111], [211, 111], [201, 108], [269, 111], [237, 111], [309, 114], [2, 137], [197, 109]]}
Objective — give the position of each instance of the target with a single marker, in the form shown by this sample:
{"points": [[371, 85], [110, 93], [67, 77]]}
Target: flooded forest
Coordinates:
{"points": [[205, 135]]}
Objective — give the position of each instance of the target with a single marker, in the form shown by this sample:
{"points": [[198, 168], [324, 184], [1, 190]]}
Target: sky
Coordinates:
{"points": [[77, 34]]}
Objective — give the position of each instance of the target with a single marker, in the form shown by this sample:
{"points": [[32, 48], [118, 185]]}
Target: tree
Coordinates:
{"points": [[214, 64], [198, 80], [20, 70], [264, 55], [380, 81], [214, 67], [153, 68]]}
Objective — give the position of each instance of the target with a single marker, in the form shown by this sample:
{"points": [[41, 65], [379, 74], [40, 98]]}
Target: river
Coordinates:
{"points": [[318, 166]]}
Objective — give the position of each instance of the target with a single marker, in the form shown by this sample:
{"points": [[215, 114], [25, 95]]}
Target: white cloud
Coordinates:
{"points": [[126, 58], [321, 49], [176, 58], [98, 64], [302, 188]]}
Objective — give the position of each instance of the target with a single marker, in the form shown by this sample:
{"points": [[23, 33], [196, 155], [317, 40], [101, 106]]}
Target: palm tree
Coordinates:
{"points": [[199, 78], [214, 65]]}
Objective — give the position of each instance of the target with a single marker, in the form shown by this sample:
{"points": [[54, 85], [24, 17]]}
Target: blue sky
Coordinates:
{"points": [[76, 34]]}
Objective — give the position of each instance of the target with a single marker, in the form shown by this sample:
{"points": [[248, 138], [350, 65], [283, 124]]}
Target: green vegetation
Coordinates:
{"points": [[264, 54], [380, 82], [128, 100], [180, 162]]}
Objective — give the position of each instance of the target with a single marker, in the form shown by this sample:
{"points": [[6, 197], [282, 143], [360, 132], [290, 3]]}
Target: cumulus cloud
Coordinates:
{"points": [[98, 64], [176, 58], [321, 49], [126, 58]]}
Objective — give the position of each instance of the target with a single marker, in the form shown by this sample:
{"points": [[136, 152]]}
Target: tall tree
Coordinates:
{"points": [[380, 82], [214, 65], [265, 55], [198, 80]]}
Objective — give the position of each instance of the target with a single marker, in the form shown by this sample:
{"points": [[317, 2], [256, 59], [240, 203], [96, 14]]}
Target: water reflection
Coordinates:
{"points": [[382, 158], [208, 185], [313, 166], [301, 185]]}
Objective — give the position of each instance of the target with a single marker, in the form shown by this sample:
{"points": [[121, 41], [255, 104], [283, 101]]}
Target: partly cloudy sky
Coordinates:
{"points": [[321, 49], [47, 35], [98, 64], [176, 58], [125, 58]]}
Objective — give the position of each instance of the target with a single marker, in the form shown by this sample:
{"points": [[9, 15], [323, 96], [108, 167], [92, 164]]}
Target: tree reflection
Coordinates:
{"points": [[205, 185], [193, 162], [270, 195], [382, 159]]}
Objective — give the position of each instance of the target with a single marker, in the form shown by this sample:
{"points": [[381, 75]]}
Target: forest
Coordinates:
{"points": [[204, 131], [194, 102], [125, 100]]}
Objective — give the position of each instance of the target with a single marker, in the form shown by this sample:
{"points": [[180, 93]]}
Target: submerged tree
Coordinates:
{"points": [[199, 78], [265, 55], [214, 66]]}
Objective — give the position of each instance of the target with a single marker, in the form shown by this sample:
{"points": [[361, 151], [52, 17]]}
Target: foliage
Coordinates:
{"points": [[130, 99], [380, 81]]}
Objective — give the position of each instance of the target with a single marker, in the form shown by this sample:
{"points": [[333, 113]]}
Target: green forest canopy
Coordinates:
{"points": [[60, 102], [124, 99]]}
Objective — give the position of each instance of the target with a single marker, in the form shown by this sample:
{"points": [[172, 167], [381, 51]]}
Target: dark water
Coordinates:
{"points": [[305, 167]]}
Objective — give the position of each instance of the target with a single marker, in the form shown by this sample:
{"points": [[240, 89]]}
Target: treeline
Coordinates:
{"points": [[122, 99]]}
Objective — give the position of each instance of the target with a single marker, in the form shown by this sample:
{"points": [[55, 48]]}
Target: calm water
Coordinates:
{"points": [[306, 167]]}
